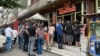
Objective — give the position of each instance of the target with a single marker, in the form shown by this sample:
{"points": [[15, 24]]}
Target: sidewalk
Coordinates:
{"points": [[67, 51]]}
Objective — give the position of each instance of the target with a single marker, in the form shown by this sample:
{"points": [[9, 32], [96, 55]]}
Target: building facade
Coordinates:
{"points": [[68, 10]]}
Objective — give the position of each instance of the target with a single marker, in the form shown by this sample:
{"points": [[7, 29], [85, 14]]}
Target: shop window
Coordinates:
{"points": [[98, 3], [84, 20], [67, 18], [78, 17], [78, 7], [85, 6]]}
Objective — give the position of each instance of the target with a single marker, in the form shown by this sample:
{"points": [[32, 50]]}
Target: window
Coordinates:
{"points": [[78, 7], [98, 6], [98, 3], [78, 16]]}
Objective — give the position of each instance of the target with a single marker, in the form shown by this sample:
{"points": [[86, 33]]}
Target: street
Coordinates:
{"points": [[17, 52]]}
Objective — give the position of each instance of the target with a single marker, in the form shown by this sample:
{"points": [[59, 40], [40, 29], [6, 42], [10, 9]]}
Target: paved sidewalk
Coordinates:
{"points": [[18, 52], [67, 51]]}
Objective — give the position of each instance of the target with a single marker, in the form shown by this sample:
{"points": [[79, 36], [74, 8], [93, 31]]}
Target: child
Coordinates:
{"points": [[46, 35]]}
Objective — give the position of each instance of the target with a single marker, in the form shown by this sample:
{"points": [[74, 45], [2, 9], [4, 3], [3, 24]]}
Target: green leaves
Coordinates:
{"points": [[10, 4]]}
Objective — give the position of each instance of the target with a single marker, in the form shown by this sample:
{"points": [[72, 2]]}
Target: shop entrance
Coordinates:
{"points": [[68, 18]]}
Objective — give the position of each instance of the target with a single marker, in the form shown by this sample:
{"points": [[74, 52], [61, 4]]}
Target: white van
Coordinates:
{"points": [[2, 40]]}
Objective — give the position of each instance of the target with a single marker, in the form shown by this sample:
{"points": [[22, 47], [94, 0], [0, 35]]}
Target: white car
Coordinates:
{"points": [[2, 40]]}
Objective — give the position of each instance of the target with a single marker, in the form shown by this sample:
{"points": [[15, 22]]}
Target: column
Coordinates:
{"points": [[54, 17], [90, 8], [82, 11]]}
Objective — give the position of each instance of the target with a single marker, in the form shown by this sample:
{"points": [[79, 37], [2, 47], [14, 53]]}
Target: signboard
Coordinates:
{"points": [[67, 8]]}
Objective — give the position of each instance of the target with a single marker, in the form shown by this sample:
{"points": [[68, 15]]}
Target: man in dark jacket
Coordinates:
{"points": [[32, 32]]}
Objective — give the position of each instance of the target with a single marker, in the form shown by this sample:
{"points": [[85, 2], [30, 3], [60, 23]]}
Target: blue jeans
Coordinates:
{"points": [[60, 40], [39, 45], [8, 43], [21, 40]]}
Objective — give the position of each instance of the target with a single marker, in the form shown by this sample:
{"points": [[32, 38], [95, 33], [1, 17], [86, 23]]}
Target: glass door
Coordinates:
{"points": [[68, 18]]}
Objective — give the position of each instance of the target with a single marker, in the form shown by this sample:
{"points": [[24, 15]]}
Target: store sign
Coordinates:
{"points": [[67, 8]]}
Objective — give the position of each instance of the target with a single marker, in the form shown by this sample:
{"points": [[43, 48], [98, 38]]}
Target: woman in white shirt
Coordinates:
{"points": [[15, 35], [51, 30]]}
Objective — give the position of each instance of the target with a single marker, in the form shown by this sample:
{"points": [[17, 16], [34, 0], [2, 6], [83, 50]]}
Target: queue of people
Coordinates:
{"points": [[32, 36]]}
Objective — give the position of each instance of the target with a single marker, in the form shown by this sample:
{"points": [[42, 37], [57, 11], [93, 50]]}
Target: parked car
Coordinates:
{"points": [[2, 40]]}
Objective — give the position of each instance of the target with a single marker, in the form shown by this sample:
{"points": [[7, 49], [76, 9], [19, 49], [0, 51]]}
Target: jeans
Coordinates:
{"points": [[21, 40], [25, 46], [39, 45], [60, 40], [31, 45], [8, 43], [14, 41]]}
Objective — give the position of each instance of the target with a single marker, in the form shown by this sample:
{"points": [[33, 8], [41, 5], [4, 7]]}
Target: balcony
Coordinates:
{"points": [[42, 6], [35, 6]]}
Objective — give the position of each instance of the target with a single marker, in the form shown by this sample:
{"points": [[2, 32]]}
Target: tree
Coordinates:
{"points": [[10, 4]]}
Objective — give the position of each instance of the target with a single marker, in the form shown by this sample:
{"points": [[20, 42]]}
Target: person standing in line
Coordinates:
{"points": [[15, 35], [26, 37], [69, 33], [21, 39], [47, 39], [59, 30], [64, 33], [3, 31], [51, 30], [40, 39], [35, 46], [32, 34], [77, 33], [9, 36]]}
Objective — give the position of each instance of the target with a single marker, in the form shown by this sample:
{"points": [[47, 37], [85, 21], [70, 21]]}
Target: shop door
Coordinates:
{"points": [[68, 18]]}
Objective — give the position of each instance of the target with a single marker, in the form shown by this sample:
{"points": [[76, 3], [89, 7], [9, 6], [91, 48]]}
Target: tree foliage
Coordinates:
{"points": [[10, 4]]}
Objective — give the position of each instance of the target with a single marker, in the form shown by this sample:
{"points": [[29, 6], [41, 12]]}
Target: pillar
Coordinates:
{"points": [[54, 17], [90, 8]]}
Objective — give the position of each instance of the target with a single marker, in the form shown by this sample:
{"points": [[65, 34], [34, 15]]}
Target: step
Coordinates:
{"points": [[67, 51]]}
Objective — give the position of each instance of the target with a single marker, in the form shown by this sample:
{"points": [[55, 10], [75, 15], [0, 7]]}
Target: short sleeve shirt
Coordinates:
{"points": [[59, 29], [8, 32]]}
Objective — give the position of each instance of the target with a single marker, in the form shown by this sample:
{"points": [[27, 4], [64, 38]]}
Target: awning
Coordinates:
{"points": [[38, 16]]}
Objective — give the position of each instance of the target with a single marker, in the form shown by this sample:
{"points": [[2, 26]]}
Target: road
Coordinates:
{"points": [[17, 52]]}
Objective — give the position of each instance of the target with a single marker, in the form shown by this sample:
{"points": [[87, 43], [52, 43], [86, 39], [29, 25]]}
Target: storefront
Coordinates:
{"points": [[72, 12], [93, 25]]}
